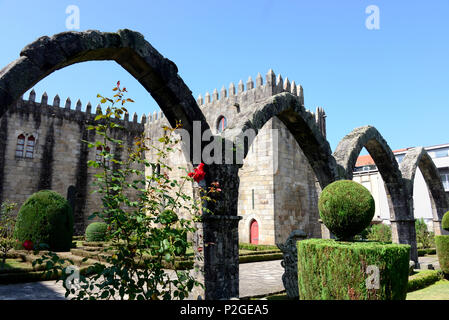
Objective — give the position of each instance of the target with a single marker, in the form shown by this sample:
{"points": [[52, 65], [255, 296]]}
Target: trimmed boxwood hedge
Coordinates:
{"points": [[333, 270], [46, 218], [423, 279], [423, 252], [257, 247], [96, 231], [442, 245]]}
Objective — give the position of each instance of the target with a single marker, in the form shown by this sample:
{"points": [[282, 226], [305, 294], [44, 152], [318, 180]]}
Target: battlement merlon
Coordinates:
{"points": [[253, 92], [273, 85], [67, 112]]}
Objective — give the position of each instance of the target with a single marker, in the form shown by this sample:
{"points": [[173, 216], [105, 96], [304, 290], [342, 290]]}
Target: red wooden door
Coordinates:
{"points": [[254, 232]]}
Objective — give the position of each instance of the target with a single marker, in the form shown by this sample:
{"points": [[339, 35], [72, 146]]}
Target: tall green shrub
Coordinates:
{"points": [[442, 245], [333, 270], [46, 218]]}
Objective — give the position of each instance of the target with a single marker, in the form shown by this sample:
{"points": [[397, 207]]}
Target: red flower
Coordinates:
{"points": [[198, 173], [28, 245]]}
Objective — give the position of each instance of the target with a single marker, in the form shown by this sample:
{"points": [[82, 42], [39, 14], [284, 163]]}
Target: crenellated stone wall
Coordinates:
{"points": [[59, 158]]}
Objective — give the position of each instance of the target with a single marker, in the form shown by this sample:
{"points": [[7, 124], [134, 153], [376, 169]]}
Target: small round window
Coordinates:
{"points": [[221, 124]]}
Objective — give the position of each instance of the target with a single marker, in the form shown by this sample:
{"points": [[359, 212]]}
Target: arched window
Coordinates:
{"points": [[221, 123], [31, 141], [98, 156], [20, 146], [108, 150]]}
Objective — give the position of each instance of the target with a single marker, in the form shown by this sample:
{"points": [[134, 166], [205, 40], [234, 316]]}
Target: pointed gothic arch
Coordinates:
{"points": [[419, 158], [346, 153]]}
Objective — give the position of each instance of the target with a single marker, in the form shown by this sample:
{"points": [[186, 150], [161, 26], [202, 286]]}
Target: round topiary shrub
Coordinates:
{"points": [[96, 231], [45, 218], [346, 208], [445, 221]]}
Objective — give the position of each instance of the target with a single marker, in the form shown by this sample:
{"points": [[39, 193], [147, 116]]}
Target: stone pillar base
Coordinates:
{"points": [[217, 257], [403, 232]]}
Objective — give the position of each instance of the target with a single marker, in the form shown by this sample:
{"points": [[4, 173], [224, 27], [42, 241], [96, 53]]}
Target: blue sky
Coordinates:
{"points": [[395, 78]]}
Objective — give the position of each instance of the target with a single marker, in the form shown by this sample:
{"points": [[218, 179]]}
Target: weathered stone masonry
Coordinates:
{"points": [[59, 158]]}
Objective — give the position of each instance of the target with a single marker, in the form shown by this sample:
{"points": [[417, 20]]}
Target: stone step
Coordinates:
{"points": [[93, 244], [94, 255]]}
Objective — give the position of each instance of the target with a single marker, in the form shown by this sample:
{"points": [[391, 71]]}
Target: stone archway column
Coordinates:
{"points": [[403, 232], [216, 240]]}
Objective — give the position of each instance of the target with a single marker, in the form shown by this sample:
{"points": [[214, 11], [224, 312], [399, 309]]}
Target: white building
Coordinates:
{"points": [[367, 174]]}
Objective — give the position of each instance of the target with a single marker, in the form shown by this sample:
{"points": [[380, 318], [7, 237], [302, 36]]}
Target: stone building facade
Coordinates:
{"points": [[42, 148]]}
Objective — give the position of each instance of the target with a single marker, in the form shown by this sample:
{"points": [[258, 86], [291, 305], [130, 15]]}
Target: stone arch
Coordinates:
{"points": [[157, 74], [300, 123], [419, 158], [346, 153]]}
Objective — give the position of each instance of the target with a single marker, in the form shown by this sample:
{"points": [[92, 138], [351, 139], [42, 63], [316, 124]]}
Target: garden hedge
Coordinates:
{"points": [[333, 270], [46, 218], [423, 252], [96, 231], [423, 279], [442, 245]]}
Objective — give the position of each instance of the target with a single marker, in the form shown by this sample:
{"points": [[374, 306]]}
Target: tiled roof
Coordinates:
{"points": [[366, 160]]}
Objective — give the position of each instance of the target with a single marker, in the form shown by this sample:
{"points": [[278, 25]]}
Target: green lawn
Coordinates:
{"points": [[437, 291], [14, 264]]}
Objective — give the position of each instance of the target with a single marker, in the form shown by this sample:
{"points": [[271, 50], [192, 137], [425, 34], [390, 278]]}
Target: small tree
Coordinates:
{"points": [[379, 232], [423, 235], [7, 223]]}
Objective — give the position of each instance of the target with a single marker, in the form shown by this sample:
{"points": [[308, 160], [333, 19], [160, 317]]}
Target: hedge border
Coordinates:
{"points": [[331, 270], [423, 279]]}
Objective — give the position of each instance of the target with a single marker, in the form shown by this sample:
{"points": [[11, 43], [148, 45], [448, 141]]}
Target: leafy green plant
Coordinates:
{"points": [[7, 223], [379, 232], [147, 230]]}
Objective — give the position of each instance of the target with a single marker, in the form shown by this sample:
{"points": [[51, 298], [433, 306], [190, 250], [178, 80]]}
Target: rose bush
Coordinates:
{"points": [[145, 231]]}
